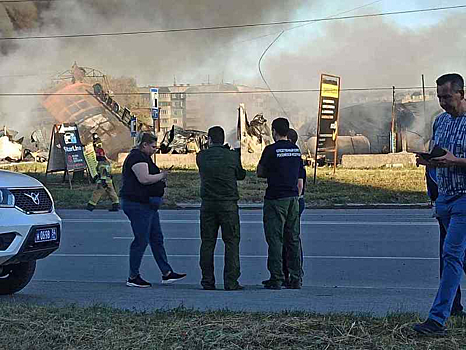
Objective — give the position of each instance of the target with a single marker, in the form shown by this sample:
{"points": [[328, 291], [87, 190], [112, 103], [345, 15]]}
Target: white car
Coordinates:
{"points": [[29, 229]]}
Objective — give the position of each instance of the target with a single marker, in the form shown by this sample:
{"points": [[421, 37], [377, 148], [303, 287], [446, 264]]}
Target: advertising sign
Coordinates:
{"points": [[91, 159], [66, 151], [327, 121], [74, 152], [123, 114]]}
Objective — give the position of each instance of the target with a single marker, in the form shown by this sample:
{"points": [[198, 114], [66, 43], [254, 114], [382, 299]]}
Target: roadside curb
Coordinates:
{"points": [[197, 206]]}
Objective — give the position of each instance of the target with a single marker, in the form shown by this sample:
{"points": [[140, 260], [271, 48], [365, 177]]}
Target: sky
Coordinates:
{"points": [[371, 52]]}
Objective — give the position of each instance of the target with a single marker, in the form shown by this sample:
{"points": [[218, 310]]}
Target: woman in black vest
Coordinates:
{"points": [[141, 195]]}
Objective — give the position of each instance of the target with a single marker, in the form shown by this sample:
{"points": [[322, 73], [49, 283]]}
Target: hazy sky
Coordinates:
{"points": [[374, 52]]}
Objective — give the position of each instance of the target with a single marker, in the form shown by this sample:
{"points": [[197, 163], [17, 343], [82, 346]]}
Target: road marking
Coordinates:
{"points": [[170, 238], [334, 287], [320, 257], [336, 223]]}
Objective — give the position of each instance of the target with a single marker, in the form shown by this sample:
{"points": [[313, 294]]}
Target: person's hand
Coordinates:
{"points": [[421, 161], [447, 160]]}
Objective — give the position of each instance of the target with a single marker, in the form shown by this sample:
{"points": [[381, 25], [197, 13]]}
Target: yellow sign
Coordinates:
{"points": [[91, 159], [329, 90]]}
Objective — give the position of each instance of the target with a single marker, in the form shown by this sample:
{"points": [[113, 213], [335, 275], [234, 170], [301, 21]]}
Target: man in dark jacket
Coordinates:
{"points": [[219, 169]]}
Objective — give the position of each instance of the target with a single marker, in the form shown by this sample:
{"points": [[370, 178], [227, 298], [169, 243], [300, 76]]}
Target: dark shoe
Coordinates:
{"points": [[90, 207], [173, 277], [458, 313], [286, 283], [264, 282], [238, 287], [115, 207], [137, 282], [430, 328], [293, 285], [209, 287]]}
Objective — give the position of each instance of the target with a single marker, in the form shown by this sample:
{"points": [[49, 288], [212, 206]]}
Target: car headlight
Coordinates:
{"points": [[7, 199]]}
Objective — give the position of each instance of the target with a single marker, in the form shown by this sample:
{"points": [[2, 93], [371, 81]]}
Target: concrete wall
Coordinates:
{"points": [[391, 160], [249, 160]]}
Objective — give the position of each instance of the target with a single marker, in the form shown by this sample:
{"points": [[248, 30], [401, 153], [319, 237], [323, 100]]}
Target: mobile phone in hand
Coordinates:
{"points": [[436, 152]]}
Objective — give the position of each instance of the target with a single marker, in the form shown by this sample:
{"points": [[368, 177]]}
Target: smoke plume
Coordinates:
{"points": [[370, 52]]}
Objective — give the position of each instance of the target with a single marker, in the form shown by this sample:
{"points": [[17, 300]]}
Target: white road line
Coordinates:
{"points": [[251, 256], [336, 223], [332, 287], [170, 238]]}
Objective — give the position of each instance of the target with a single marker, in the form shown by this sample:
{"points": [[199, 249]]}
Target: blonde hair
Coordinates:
{"points": [[144, 136]]}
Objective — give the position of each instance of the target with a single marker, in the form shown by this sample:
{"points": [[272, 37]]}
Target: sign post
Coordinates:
{"points": [[327, 121], [66, 152], [154, 99], [154, 110]]}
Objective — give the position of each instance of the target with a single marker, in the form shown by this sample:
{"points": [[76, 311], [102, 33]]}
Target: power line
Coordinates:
{"points": [[262, 75], [21, 1], [252, 25], [216, 92], [283, 31]]}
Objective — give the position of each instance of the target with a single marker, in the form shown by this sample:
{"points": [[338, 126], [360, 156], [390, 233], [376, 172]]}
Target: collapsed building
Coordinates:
{"points": [[366, 128], [79, 99]]}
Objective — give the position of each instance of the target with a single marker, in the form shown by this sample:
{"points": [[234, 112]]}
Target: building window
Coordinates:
{"points": [[175, 121]]}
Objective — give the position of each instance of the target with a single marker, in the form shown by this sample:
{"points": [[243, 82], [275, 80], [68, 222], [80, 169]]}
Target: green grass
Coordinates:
{"points": [[28, 327], [397, 186]]}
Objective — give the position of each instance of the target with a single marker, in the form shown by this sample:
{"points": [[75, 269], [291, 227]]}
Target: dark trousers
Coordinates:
{"points": [[457, 301], [224, 215], [286, 271], [281, 227]]}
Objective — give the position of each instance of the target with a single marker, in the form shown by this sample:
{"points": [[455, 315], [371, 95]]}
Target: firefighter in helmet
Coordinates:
{"points": [[103, 178]]}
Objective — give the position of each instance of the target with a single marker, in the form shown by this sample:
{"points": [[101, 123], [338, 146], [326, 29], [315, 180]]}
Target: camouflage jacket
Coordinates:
{"points": [[219, 169]]}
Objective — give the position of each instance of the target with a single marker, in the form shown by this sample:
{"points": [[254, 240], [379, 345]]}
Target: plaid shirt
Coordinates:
{"points": [[450, 133]]}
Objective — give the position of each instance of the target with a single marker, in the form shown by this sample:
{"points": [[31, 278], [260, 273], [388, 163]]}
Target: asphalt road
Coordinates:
{"points": [[377, 261]]}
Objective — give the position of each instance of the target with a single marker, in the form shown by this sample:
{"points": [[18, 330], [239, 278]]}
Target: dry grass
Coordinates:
{"points": [[45, 327], [346, 186]]}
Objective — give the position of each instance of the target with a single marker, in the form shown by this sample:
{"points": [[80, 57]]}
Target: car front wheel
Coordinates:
{"points": [[15, 277]]}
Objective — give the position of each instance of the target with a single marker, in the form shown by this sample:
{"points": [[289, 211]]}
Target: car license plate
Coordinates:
{"points": [[45, 235]]}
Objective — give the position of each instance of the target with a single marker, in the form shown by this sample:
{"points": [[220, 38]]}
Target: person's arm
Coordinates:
{"points": [[448, 160], [141, 170], [240, 172], [261, 167], [300, 187]]}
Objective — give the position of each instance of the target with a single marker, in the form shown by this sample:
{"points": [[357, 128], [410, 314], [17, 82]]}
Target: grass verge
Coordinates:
{"points": [[396, 186], [46, 327]]}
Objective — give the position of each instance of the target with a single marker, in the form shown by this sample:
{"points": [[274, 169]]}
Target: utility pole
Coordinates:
{"points": [[427, 126], [393, 129]]}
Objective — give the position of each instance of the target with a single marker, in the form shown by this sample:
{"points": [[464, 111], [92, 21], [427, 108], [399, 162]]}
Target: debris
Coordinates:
{"points": [[10, 150], [181, 141]]}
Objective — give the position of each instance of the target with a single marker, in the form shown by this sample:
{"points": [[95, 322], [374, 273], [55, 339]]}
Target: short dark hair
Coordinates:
{"points": [[292, 135], [281, 126], [216, 134], [146, 137], [456, 80]]}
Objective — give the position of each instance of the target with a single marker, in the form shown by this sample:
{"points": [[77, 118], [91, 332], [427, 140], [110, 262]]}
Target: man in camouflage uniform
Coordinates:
{"points": [[219, 169], [104, 179]]}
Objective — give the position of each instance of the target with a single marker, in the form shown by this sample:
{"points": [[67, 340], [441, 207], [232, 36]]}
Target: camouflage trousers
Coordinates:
{"points": [[224, 215], [282, 228]]}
